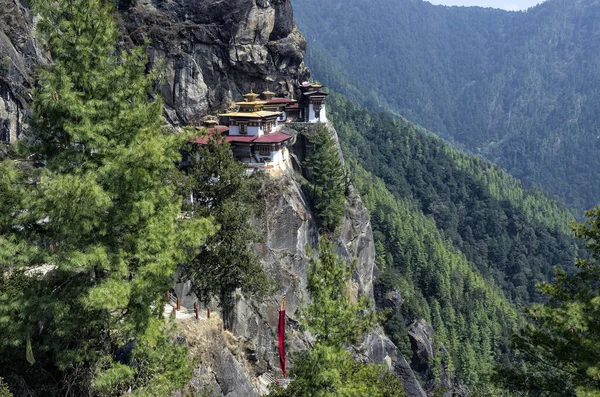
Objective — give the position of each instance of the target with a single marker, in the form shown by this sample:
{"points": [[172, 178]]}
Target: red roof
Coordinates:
{"points": [[240, 138], [281, 100], [203, 140], [294, 106], [276, 137]]}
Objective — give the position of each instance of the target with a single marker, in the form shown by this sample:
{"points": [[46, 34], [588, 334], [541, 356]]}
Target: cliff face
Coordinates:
{"points": [[212, 51], [19, 55], [209, 51], [290, 234]]}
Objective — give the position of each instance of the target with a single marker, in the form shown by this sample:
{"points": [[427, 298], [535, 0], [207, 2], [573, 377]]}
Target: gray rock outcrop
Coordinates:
{"points": [[213, 51], [234, 383], [19, 55], [291, 232], [210, 52], [422, 336]]}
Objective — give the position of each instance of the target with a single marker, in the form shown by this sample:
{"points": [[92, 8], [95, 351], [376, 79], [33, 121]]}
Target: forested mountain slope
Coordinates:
{"points": [[462, 241], [471, 317], [513, 236], [520, 88]]}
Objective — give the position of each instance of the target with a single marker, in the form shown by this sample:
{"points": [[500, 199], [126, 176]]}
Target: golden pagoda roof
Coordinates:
{"points": [[251, 96], [255, 103]]}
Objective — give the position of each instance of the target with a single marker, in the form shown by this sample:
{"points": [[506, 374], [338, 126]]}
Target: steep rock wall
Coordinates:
{"points": [[291, 234], [19, 56], [213, 51], [209, 52]]}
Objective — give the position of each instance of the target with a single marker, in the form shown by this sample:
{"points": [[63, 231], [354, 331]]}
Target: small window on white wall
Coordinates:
{"points": [[264, 150], [243, 129]]}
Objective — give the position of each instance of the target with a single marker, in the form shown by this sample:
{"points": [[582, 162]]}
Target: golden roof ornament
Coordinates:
{"points": [[251, 96]]}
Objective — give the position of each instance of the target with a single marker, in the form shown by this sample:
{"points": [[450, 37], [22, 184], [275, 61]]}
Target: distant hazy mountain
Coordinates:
{"points": [[521, 88]]}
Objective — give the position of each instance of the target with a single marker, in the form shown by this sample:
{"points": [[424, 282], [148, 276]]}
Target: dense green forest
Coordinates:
{"points": [[462, 241], [472, 318], [513, 236], [515, 87]]}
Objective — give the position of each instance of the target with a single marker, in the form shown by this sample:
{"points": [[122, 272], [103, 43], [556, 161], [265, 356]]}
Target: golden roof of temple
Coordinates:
{"points": [[255, 103], [251, 96]]}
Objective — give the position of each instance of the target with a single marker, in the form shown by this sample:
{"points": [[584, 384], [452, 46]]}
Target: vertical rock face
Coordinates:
{"points": [[214, 51], [19, 55], [290, 235], [209, 52]]}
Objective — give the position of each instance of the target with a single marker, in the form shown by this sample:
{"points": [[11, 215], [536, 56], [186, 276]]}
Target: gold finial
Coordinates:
{"points": [[268, 95]]}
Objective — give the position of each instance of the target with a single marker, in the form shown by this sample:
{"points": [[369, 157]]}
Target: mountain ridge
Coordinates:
{"points": [[515, 87]]}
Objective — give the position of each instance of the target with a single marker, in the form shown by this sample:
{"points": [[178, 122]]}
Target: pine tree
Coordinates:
{"points": [[4, 391], [226, 261], [327, 180], [327, 369], [332, 317], [560, 346], [100, 222]]}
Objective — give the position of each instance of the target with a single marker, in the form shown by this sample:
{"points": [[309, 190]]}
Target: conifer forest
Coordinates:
{"points": [[299, 198]]}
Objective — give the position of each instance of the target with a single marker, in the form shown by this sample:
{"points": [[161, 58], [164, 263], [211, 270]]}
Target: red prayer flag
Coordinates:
{"points": [[281, 337]]}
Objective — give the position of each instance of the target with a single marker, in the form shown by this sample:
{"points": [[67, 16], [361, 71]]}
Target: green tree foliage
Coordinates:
{"points": [[13, 190], [472, 318], [327, 369], [97, 232], [327, 180], [331, 317], [226, 261], [513, 235], [4, 391], [561, 343], [496, 83]]}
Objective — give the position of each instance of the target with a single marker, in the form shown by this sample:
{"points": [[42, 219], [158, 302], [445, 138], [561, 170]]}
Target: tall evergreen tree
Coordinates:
{"points": [[331, 316], [226, 261], [327, 369], [561, 345], [327, 180], [84, 306]]}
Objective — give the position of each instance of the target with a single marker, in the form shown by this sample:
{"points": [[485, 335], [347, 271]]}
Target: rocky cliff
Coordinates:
{"points": [[19, 57], [210, 52], [290, 235]]}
